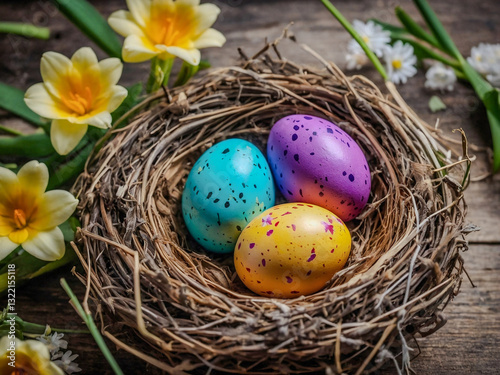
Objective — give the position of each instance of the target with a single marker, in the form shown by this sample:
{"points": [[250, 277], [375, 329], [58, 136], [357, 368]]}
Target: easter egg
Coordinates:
{"points": [[315, 161], [290, 250], [227, 187]]}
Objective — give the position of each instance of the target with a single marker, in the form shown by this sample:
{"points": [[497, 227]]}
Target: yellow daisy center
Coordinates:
{"points": [[397, 64], [365, 39], [172, 27]]}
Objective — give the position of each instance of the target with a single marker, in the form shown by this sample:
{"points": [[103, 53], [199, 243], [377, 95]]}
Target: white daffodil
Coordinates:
{"points": [[400, 62], [440, 77], [375, 37], [166, 28], [485, 58], [29, 357], [75, 93], [29, 216]]}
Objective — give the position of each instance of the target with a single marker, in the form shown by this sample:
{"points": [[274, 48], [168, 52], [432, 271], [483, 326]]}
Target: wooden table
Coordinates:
{"points": [[469, 342]]}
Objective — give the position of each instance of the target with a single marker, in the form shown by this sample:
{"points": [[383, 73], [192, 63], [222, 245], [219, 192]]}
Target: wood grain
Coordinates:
{"points": [[469, 341]]}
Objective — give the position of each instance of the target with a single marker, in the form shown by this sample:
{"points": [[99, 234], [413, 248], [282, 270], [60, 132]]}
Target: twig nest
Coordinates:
{"points": [[192, 309]]}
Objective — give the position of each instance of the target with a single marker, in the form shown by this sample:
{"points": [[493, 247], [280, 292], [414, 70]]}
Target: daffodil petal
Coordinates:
{"points": [[53, 66], [19, 236], [210, 38], [34, 177], [84, 58], [54, 208], [191, 56], [8, 184], [6, 247], [118, 94], [140, 10], [40, 101], [46, 245], [124, 23], [6, 226], [101, 120], [138, 49], [206, 15], [111, 70], [65, 135], [191, 3]]}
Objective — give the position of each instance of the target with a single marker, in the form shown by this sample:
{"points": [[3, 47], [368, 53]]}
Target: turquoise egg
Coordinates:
{"points": [[229, 185]]}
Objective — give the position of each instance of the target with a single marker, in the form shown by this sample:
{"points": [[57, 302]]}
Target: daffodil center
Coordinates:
{"points": [[79, 101], [19, 218], [397, 64], [172, 28]]}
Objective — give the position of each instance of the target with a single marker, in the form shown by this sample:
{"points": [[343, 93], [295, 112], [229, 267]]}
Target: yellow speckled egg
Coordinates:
{"points": [[291, 250]]}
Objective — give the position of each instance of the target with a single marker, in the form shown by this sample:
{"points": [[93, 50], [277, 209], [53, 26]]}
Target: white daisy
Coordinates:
{"points": [[54, 342], [485, 58], [356, 58], [372, 34], [400, 62], [440, 77], [65, 362]]}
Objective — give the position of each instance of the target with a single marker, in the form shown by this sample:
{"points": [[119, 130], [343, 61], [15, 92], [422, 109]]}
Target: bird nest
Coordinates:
{"points": [[189, 307]]}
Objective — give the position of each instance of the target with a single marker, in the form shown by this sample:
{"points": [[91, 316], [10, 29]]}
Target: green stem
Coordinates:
{"points": [[87, 318], [159, 74], [25, 29], [40, 329], [369, 53], [10, 131]]}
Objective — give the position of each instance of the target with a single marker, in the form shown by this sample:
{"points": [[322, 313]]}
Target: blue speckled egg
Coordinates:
{"points": [[229, 185]]}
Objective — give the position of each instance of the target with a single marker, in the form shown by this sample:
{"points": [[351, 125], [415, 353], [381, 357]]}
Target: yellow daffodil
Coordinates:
{"points": [[29, 216], [28, 357], [75, 93], [166, 28]]}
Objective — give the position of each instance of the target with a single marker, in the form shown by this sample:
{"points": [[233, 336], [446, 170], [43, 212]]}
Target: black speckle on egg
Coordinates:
{"points": [[296, 127], [328, 130], [296, 157], [312, 153], [300, 192], [209, 195], [240, 195], [238, 228], [289, 192], [321, 193], [216, 200], [308, 117], [344, 173], [285, 152], [227, 204], [294, 137], [225, 151], [351, 177]]}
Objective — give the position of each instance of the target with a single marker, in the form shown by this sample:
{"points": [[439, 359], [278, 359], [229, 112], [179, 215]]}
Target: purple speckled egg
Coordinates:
{"points": [[315, 161]]}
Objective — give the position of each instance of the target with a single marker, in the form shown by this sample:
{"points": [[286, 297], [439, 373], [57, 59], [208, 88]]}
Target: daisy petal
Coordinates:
{"points": [[210, 38], [6, 247], [55, 207], [48, 245], [65, 135]]}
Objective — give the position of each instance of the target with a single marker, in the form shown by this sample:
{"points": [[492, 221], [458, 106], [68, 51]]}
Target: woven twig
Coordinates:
{"points": [[191, 308]]}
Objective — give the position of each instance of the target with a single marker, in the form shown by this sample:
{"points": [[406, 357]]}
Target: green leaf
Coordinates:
{"points": [[13, 101], [186, 72], [437, 28], [91, 23], [436, 104], [390, 28], [67, 230], [31, 146], [130, 101], [423, 52], [413, 28], [72, 167], [25, 29], [491, 101]]}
